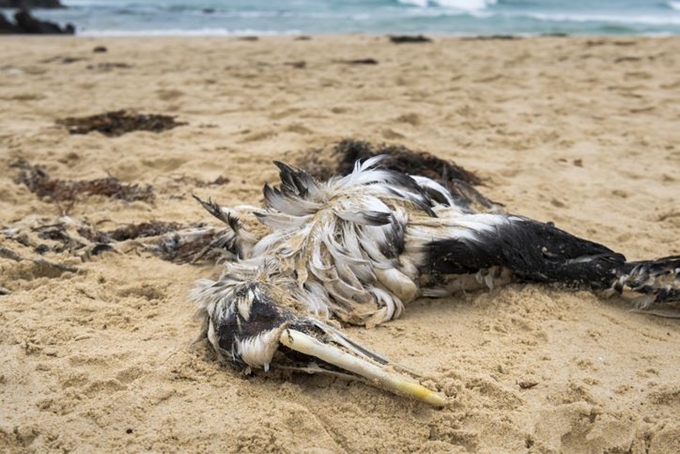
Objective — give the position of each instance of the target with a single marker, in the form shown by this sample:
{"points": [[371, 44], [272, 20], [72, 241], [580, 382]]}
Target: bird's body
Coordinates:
{"points": [[359, 248]]}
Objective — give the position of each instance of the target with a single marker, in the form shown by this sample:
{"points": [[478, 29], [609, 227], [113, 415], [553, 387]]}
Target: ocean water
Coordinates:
{"points": [[457, 17]]}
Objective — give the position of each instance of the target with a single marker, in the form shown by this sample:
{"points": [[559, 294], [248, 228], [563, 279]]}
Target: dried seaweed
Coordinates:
{"points": [[348, 151], [57, 236], [197, 183], [38, 181], [204, 245], [491, 38], [405, 39], [143, 230], [108, 66], [62, 60], [117, 123], [402, 159], [361, 61], [171, 241], [301, 64]]}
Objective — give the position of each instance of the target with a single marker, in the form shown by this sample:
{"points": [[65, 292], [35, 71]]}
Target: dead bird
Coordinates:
{"points": [[360, 247]]}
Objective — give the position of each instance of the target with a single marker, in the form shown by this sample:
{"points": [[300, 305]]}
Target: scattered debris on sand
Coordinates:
{"points": [[117, 123]]}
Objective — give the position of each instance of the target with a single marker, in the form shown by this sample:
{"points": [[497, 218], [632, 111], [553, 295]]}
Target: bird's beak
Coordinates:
{"points": [[375, 374]]}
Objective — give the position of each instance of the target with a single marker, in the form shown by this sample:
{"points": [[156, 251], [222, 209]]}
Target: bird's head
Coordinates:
{"points": [[253, 324]]}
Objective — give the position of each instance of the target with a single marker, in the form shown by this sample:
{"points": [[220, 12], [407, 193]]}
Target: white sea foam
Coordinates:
{"points": [[434, 13], [421, 3], [610, 19], [462, 5], [466, 5]]}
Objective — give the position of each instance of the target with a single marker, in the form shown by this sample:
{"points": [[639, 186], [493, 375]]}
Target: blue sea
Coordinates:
{"points": [[453, 17]]}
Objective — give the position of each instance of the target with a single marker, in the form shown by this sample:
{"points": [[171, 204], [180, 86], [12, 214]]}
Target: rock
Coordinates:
{"points": [[27, 24], [6, 27], [28, 4]]}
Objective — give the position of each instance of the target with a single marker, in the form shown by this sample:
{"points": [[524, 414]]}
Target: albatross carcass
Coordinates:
{"points": [[360, 247]]}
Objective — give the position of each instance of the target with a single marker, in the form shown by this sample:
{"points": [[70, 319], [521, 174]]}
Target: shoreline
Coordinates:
{"points": [[219, 33], [581, 131]]}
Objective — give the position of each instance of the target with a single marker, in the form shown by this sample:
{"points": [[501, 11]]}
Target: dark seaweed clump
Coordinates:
{"points": [[402, 159], [406, 39], [39, 182], [361, 61], [131, 231], [117, 123]]}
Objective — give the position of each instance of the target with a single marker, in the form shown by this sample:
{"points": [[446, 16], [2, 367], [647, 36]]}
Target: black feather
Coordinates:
{"points": [[535, 252], [377, 217], [214, 209]]}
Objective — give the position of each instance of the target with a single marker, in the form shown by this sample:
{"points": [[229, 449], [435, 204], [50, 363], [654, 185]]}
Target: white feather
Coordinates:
{"points": [[257, 351]]}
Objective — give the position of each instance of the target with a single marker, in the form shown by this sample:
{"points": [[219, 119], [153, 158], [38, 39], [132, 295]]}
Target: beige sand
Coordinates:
{"points": [[581, 131]]}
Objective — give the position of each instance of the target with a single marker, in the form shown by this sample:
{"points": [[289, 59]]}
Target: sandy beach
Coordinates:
{"points": [[583, 132]]}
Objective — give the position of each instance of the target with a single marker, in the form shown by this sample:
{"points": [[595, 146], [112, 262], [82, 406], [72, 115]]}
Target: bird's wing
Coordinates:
{"points": [[536, 252]]}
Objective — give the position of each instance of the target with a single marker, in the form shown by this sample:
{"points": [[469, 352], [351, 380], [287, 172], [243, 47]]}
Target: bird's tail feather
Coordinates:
{"points": [[654, 284]]}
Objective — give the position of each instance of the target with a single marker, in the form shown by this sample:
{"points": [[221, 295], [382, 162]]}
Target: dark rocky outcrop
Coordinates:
{"points": [[28, 4], [25, 23], [6, 27]]}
